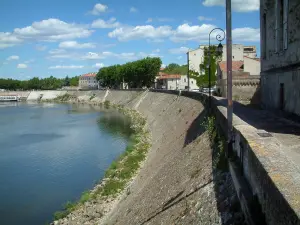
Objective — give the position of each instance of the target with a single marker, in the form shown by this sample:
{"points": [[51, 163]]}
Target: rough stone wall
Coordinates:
{"points": [[281, 67]]}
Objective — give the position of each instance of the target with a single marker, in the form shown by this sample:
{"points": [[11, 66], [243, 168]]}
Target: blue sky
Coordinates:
{"points": [[59, 38]]}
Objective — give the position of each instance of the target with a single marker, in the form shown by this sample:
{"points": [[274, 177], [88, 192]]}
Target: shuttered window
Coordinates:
{"points": [[285, 23], [281, 25]]}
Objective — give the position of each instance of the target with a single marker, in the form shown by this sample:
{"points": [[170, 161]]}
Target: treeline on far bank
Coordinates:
{"points": [[137, 74], [49, 83]]}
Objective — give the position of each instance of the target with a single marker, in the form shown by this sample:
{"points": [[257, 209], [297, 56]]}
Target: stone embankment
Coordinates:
{"points": [[179, 182]]}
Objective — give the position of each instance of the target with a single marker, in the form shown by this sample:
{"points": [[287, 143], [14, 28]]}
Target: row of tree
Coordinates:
{"points": [[174, 68], [137, 74], [50, 83]]}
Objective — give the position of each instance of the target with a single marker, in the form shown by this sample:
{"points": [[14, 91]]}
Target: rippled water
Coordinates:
{"points": [[50, 154]]}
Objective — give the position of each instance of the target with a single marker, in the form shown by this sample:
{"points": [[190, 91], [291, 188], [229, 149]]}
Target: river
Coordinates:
{"points": [[50, 154]]}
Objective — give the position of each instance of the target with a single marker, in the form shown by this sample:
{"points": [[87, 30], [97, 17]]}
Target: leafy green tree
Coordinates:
{"points": [[67, 81], [211, 56]]}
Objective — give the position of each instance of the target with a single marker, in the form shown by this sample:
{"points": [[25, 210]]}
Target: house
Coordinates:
{"points": [[88, 81], [196, 57], [252, 65], [244, 83], [174, 82], [280, 64]]}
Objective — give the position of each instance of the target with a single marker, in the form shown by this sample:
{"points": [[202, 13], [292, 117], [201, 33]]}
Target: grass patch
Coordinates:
{"points": [[92, 96], [64, 97], [107, 104]]}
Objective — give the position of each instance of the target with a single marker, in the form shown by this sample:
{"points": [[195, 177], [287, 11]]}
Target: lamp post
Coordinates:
{"points": [[219, 38], [188, 71]]}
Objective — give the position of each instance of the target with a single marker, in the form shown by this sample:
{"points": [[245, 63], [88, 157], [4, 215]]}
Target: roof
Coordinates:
{"points": [[236, 65], [89, 75], [163, 76], [256, 59]]}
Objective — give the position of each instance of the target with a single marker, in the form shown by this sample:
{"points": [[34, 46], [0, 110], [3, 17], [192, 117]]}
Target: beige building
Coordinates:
{"points": [[280, 54], [174, 82], [252, 65], [88, 81], [196, 57]]}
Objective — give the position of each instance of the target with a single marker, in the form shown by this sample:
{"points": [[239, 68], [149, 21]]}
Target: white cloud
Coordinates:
{"points": [[76, 45], [45, 30], [41, 47], [98, 65], [8, 40], [29, 61], [65, 67], [156, 50], [181, 50], [111, 23], [185, 32], [149, 20], [13, 57], [21, 66], [93, 55], [203, 18], [179, 57], [98, 9], [237, 5], [246, 34], [57, 51], [140, 32], [133, 10]]}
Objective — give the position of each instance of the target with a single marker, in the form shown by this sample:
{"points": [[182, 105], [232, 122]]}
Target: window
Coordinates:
{"points": [[264, 36], [184, 80], [233, 57], [281, 25], [192, 82]]}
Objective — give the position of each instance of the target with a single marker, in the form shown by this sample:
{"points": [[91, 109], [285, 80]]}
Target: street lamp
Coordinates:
{"points": [[219, 37]]}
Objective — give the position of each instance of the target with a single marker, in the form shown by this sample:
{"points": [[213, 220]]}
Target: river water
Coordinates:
{"points": [[50, 154]]}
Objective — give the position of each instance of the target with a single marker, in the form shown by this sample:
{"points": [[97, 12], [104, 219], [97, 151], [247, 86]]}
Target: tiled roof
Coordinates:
{"points": [[167, 76], [89, 75], [236, 65]]}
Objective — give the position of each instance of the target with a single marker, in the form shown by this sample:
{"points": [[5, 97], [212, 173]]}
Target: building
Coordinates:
{"points": [[88, 81], [174, 82], [196, 57], [244, 84], [252, 65], [280, 54]]}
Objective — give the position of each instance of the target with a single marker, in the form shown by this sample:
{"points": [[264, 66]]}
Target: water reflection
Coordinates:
{"points": [[115, 124]]}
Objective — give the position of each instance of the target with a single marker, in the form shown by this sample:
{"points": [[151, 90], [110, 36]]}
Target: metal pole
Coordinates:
{"points": [[188, 72], [209, 81], [229, 75]]}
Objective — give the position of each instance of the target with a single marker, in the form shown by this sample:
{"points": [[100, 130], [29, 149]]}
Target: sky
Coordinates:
{"points": [[63, 37]]}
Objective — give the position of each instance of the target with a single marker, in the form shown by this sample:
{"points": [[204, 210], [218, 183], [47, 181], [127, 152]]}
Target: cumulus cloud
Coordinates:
{"points": [[21, 66], [45, 30], [13, 57], [246, 34], [65, 67], [111, 23], [181, 50], [237, 5], [203, 18], [156, 50], [98, 65], [98, 9], [41, 47], [140, 32], [93, 55], [185, 32], [133, 10], [76, 45]]}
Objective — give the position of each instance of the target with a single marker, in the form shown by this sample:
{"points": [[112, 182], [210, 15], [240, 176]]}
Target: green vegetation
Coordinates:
{"points": [[218, 143], [50, 83], [92, 96], [63, 98], [106, 104], [210, 57], [137, 74], [174, 68], [122, 169]]}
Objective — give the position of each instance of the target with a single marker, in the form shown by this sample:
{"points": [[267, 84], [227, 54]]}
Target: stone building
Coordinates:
{"points": [[280, 54], [174, 82], [88, 81]]}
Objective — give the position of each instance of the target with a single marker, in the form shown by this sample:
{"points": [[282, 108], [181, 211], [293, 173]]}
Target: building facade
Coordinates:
{"points": [[88, 81], [174, 82], [196, 57], [280, 54]]}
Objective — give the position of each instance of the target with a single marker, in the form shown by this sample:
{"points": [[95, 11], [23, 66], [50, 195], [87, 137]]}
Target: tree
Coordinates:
{"points": [[210, 58], [67, 81]]}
